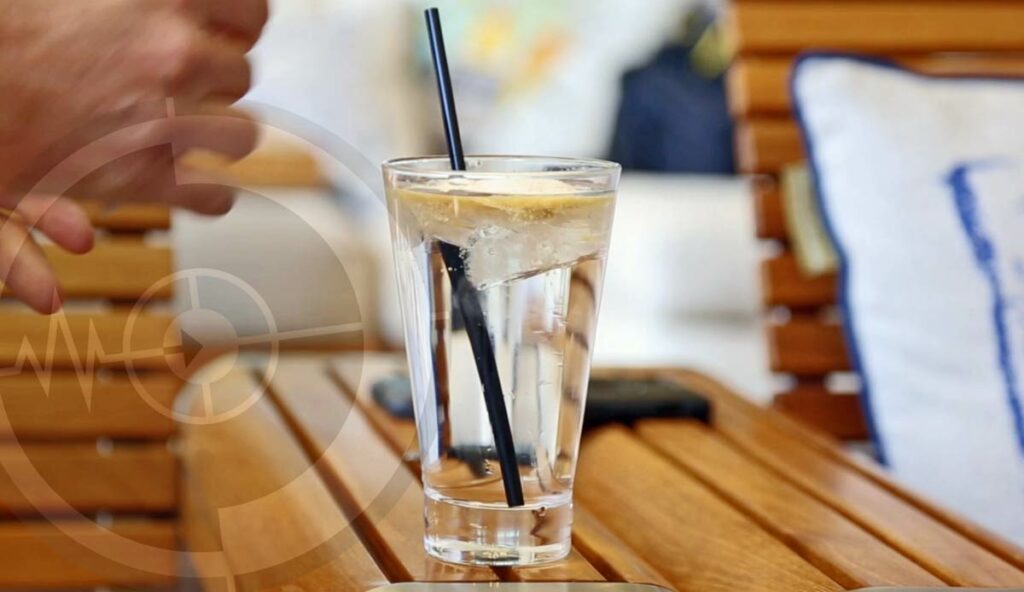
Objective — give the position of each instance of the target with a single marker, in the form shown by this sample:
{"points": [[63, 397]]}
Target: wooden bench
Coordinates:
{"points": [[85, 458], [311, 486], [935, 36], [87, 422]]}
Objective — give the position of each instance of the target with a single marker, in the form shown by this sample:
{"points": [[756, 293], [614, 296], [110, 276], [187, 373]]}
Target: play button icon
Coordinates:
{"points": [[186, 351]]}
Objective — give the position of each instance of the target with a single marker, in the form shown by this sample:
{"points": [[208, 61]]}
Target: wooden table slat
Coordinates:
{"points": [[376, 487], [900, 523], [574, 568], [273, 520], [870, 469], [348, 372], [607, 554], [688, 533], [785, 424], [753, 502], [841, 549]]}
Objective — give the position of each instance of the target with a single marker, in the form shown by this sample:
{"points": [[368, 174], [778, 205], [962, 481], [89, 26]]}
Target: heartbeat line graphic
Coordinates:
{"points": [[84, 365], [85, 362]]}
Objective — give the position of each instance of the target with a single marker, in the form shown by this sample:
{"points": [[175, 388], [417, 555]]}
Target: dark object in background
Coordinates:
{"points": [[629, 401], [394, 394], [673, 118], [479, 459], [608, 401]]}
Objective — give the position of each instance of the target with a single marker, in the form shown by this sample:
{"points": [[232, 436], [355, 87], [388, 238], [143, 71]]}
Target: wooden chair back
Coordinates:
{"points": [[86, 415], [805, 339], [87, 428]]}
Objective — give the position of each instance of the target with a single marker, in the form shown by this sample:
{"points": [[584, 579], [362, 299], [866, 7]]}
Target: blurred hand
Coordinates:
{"points": [[99, 99]]}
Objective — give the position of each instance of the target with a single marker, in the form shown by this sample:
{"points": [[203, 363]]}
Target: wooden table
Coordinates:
{"points": [[313, 487]]}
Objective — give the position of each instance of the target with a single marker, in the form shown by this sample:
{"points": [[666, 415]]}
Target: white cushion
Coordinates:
{"points": [[922, 184]]}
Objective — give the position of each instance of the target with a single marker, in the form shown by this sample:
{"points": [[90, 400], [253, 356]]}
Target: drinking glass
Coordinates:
{"points": [[530, 235]]}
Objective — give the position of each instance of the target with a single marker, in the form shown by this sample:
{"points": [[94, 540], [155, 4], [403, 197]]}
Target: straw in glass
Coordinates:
{"points": [[465, 294]]}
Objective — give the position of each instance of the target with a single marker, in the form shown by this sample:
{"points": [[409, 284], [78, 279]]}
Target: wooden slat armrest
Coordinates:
{"points": [[807, 348], [759, 85], [786, 26], [838, 414], [57, 407], [128, 218], [131, 478], [768, 145], [769, 215], [44, 555], [85, 340], [783, 283], [115, 270]]}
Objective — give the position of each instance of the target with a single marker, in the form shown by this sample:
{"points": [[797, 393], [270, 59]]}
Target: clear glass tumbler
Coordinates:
{"points": [[531, 238]]}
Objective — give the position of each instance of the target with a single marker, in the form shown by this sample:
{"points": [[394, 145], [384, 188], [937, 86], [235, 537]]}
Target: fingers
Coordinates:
{"points": [[220, 129], [241, 19], [244, 19], [183, 126], [198, 192], [152, 176], [24, 270], [141, 161], [62, 220], [211, 68], [191, 190], [190, 59]]}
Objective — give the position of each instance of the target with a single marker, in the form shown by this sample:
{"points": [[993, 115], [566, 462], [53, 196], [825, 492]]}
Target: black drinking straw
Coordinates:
{"points": [[465, 293]]}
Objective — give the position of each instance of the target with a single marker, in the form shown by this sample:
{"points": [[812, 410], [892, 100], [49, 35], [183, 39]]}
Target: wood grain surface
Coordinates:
{"points": [[753, 501]]}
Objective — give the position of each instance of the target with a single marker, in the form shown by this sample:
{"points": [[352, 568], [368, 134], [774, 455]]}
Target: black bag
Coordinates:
{"points": [[673, 119]]}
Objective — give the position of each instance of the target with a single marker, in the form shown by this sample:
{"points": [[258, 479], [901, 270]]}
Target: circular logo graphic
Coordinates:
{"points": [[182, 347], [185, 353]]}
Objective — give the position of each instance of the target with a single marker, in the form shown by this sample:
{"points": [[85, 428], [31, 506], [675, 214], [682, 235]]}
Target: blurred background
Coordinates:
{"points": [[348, 83]]}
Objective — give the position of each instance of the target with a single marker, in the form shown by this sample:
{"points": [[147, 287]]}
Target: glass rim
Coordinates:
{"points": [[576, 167]]}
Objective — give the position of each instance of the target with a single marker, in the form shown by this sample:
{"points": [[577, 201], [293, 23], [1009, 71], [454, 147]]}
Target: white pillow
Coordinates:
{"points": [[922, 185]]}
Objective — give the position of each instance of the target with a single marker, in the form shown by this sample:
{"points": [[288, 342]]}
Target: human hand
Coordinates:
{"points": [[100, 100]]}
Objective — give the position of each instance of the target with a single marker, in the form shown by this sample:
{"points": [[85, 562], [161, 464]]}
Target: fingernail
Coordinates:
{"points": [[58, 301]]}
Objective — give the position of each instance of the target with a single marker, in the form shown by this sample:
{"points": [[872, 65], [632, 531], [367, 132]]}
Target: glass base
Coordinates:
{"points": [[486, 534]]}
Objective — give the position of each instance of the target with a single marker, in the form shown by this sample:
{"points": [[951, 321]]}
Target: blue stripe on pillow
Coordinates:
{"points": [[985, 254]]}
